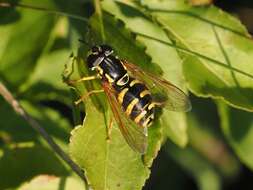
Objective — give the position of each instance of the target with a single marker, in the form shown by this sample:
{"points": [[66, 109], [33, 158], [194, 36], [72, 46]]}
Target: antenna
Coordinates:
{"points": [[84, 42], [88, 39]]}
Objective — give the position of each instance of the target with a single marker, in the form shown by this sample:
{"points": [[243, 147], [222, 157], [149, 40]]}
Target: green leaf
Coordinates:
{"points": [[24, 161], [49, 69], [165, 56], [108, 164], [217, 50], [23, 42], [49, 182], [238, 129], [155, 140]]}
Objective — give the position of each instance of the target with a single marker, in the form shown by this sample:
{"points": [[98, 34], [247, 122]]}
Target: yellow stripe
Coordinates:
{"points": [[131, 106], [144, 107], [140, 116], [134, 82], [144, 93], [147, 120], [152, 105], [124, 66], [122, 94]]}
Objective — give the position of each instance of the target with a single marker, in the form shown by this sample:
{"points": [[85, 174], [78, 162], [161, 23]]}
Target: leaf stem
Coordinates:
{"points": [[146, 11], [225, 55], [190, 14], [196, 54], [36, 126]]}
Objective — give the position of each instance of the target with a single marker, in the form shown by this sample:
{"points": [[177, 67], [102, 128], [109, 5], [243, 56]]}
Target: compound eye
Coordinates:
{"points": [[91, 59], [107, 50], [106, 47], [95, 49]]}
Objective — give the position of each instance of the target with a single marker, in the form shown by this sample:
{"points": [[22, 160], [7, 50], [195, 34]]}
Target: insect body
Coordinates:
{"points": [[133, 96], [136, 101], [128, 89]]}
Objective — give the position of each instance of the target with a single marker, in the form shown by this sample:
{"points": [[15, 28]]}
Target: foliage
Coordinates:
{"points": [[203, 50]]}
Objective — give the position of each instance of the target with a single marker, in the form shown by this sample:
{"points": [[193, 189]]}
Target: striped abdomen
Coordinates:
{"points": [[136, 102]]}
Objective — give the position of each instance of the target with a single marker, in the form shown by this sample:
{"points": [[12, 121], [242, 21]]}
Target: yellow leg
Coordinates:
{"points": [[159, 104], [109, 130], [85, 96], [83, 79], [154, 104]]}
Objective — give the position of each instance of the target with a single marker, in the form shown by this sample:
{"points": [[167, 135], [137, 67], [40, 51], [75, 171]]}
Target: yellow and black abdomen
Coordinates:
{"points": [[136, 101]]}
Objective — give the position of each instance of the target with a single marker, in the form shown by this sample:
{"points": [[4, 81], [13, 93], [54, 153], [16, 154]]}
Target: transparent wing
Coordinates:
{"points": [[135, 135], [164, 93]]}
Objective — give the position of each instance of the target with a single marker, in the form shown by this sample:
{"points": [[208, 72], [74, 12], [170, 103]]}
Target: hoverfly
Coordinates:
{"points": [[133, 95]]}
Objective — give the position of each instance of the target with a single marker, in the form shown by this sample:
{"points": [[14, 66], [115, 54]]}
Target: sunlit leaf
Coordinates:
{"points": [[108, 164], [45, 83], [220, 51]]}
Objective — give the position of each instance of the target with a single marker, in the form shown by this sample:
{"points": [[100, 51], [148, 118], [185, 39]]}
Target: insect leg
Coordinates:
{"points": [[83, 79], [85, 96], [109, 129], [158, 104]]}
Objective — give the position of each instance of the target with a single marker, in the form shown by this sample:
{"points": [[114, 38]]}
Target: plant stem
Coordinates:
{"points": [[36, 126]]}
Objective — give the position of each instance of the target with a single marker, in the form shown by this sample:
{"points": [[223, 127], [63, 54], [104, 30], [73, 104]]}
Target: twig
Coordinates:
{"points": [[36, 126]]}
